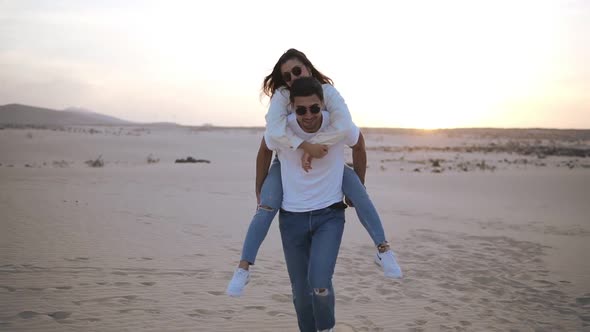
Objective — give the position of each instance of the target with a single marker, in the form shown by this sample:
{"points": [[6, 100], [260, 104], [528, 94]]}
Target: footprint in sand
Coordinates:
{"points": [[283, 298], [28, 314], [363, 299], [279, 314], [255, 307], [114, 300], [8, 288], [215, 293], [366, 322], [91, 320], [77, 259], [344, 298], [343, 327], [59, 315], [63, 287], [384, 291], [201, 313], [544, 282], [148, 311]]}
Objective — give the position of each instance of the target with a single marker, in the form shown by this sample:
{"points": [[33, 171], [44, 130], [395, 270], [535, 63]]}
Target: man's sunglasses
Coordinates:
{"points": [[295, 71], [302, 110]]}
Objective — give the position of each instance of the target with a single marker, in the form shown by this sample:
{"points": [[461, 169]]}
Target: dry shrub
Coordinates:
{"points": [[152, 160], [98, 162], [60, 163]]}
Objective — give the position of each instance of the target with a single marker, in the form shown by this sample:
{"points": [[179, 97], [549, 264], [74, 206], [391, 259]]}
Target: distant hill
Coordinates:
{"points": [[24, 115]]}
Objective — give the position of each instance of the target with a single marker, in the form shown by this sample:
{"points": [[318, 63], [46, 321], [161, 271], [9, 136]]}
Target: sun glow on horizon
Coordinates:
{"points": [[444, 65]]}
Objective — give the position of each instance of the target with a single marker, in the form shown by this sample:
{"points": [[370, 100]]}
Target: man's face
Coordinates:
{"points": [[308, 112]]}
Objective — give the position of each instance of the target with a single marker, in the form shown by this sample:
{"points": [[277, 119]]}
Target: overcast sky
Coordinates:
{"points": [[420, 64]]}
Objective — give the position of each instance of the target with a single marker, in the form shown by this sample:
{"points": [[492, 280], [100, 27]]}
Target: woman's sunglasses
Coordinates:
{"points": [[302, 110], [295, 71]]}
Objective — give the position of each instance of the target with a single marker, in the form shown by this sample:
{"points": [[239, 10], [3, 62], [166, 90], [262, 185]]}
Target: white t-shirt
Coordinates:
{"points": [[322, 185]]}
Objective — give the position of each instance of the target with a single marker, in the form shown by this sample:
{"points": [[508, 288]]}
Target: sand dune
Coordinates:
{"points": [[24, 115], [141, 246]]}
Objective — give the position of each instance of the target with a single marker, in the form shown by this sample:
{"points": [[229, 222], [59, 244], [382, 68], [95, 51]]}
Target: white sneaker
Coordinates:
{"points": [[390, 267], [328, 330], [237, 283]]}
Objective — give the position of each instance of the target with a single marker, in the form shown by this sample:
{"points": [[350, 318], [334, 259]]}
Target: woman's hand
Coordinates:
{"points": [[315, 150], [306, 161]]}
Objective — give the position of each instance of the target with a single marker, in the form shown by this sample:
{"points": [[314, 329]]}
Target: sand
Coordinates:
{"points": [[137, 246]]}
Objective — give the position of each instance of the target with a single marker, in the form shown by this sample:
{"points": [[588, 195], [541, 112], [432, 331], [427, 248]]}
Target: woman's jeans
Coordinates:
{"points": [[271, 198], [311, 241]]}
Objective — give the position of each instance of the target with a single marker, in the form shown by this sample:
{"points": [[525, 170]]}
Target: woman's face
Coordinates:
{"points": [[292, 70]]}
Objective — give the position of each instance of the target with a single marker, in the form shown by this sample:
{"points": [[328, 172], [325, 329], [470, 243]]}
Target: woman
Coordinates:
{"points": [[291, 65]]}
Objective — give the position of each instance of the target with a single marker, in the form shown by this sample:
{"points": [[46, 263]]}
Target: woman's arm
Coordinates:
{"points": [[276, 121], [340, 118]]}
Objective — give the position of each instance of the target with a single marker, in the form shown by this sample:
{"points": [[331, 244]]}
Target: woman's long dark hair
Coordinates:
{"points": [[275, 80]]}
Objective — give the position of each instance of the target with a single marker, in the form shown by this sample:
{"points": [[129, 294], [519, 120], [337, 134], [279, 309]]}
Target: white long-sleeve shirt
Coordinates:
{"points": [[276, 119]]}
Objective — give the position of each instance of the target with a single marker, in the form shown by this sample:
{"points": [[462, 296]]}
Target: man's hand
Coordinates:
{"points": [[315, 150], [306, 161]]}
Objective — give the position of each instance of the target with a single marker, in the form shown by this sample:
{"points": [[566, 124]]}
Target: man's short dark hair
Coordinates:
{"points": [[305, 87]]}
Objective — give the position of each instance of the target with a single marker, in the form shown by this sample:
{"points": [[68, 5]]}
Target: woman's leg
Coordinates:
{"points": [[365, 210], [271, 197], [369, 218]]}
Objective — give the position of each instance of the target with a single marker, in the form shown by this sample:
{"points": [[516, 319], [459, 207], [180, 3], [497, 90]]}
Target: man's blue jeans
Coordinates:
{"points": [[271, 198], [311, 241]]}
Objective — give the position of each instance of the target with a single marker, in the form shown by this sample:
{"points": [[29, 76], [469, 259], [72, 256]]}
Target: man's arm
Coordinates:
{"points": [[359, 158], [263, 160]]}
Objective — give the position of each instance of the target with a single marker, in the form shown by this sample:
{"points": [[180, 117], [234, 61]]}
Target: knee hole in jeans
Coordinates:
{"points": [[321, 291], [266, 208]]}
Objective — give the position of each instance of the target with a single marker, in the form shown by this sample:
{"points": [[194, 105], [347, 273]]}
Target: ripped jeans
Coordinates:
{"points": [[311, 241], [271, 198]]}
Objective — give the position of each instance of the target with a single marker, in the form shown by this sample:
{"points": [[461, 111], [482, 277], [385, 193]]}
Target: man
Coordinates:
{"points": [[311, 219]]}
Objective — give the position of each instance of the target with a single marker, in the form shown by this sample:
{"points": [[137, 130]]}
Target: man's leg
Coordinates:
{"points": [[296, 239], [328, 226]]}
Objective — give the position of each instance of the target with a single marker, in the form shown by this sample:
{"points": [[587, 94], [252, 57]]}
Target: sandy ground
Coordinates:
{"points": [[138, 246]]}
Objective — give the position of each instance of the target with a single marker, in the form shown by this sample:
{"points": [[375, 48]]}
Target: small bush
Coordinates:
{"points": [[192, 160], [98, 162], [152, 160], [60, 163]]}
